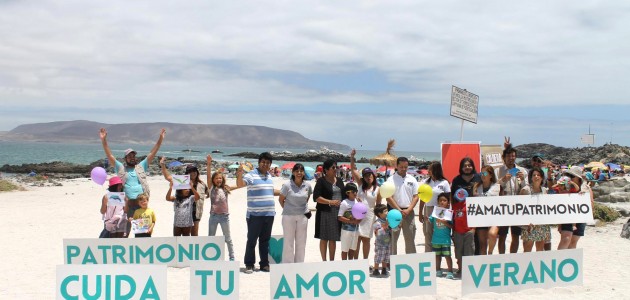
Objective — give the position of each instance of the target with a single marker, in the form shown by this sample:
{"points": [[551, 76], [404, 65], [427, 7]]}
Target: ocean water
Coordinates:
{"points": [[17, 153]]}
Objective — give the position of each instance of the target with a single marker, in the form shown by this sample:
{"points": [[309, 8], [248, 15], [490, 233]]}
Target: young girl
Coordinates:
{"points": [[145, 213], [535, 234], [183, 204], [441, 241], [114, 217], [198, 185], [219, 212], [382, 247]]}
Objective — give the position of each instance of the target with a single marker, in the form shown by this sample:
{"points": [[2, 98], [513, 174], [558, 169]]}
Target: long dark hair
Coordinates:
{"points": [[179, 195], [436, 171], [296, 167], [364, 183], [463, 161]]}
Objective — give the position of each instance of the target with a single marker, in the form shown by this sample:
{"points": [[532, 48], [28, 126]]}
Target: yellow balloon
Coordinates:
{"points": [[425, 192], [387, 189]]}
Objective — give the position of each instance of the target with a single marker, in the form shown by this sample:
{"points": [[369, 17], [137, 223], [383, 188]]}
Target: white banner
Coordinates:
{"points": [[172, 251], [216, 280], [324, 280], [111, 282], [412, 274], [529, 209], [508, 273]]}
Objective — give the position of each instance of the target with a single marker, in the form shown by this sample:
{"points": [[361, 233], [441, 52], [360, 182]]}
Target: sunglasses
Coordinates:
{"points": [[484, 173], [537, 160]]}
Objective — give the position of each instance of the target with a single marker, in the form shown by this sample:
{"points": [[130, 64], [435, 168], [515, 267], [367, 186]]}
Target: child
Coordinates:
{"points": [[463, 236], [565, 186], [145, 214], [219, 212], [114, 217], [441, 241], [349, 234], [382, 242], [183, 205]]}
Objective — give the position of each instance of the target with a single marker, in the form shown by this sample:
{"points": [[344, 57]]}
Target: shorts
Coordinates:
{"points": [[142, 235], [515, 230], [381, 254], [349, 240], [569, 227], [464, 244], [441, 249]]}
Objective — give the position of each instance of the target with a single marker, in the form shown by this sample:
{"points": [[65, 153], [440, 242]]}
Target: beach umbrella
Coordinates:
{"points": [[288, 165], [387, 158], [423, 172], [309, 173], [175, 164], [595, 164], [233, 166], [613, 167], [384, 169]]}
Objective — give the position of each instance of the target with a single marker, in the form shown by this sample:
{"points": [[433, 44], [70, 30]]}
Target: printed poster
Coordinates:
{"points": [[115, 199], [442, 213], [181, 182], [139, 226]]}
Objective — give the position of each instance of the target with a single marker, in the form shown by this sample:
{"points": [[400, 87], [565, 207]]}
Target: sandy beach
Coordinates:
{"points": [[37, 220]]}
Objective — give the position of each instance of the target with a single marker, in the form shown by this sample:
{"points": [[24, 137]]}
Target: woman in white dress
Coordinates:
{"points": [[370, 196]]}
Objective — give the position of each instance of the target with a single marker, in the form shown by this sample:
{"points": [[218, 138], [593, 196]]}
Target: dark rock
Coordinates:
{"points": [[572, 156]]}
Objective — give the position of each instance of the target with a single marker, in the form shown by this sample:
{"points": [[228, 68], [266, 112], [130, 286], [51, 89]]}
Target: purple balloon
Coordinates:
{"points": [[359, 210], [98, 175]]}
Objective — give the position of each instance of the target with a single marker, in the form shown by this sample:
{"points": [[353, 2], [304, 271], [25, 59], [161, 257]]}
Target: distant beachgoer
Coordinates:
{"points": [[512, 179], [370, 196], [404, 199], [261, 210], [219, 209], [487, 187], [293, 198], [327, 194], [182, 204], [570, 233], [132, 173], [535, 234], [146, 214], [114, 217], [198, 185], [439, 185]]}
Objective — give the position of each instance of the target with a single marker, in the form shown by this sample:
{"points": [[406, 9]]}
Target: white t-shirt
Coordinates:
{"points": [[406, 189], [438, 187]]}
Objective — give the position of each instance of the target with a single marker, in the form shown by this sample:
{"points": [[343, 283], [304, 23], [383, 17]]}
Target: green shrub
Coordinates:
{"points": [[605, 213], [6, 186]]}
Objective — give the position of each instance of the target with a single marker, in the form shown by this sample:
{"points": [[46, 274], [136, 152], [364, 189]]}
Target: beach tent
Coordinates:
{"points": [[613, 167], [383, 169], [309, 173], [175, 164], [288, 165]]}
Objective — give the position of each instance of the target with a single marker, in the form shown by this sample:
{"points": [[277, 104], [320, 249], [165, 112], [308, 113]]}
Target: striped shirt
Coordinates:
{"points": [[260, 201]]}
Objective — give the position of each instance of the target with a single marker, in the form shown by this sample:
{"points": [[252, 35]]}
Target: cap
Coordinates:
{"points": [[114, 181], [129, 151], [539, 155], [191, 168], [366, 170]]}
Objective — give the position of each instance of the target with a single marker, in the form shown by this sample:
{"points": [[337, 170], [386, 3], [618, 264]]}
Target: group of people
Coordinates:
{"points": [[334, 220]]}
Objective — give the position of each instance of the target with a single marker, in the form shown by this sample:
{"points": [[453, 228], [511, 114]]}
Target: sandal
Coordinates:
{"points": [[449, 275], [439, 273]]}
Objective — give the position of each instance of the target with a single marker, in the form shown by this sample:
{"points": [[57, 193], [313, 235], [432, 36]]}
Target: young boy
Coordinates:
{"points": [[441, 240], [349, 234], [145, 214], [382, 247]]}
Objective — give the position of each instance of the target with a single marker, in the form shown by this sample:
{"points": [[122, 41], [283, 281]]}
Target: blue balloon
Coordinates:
{"points": [[394, 217]]}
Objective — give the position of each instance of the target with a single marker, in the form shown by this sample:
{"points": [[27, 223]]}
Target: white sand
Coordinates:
{"points": [[36, 221]]}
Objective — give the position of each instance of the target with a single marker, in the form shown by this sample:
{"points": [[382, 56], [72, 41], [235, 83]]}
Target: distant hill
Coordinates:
{"points": [[214, 135]]}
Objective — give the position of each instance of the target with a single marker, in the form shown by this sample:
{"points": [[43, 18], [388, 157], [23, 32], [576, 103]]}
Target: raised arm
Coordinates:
{"points": [[165, 172], [209, 170], [353, 167], [239, 177], [156, 148], [194, 190], [169, 197], [108, 152]]}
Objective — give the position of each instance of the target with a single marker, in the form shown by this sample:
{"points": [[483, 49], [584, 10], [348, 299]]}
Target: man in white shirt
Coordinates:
{"points": [[404, 199]]}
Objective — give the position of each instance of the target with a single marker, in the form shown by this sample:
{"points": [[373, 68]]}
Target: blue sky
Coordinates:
{"points": [[357, 73]]}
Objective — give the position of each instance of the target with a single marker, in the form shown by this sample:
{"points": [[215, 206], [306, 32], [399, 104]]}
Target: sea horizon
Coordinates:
{"points": [[27, 152]]}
